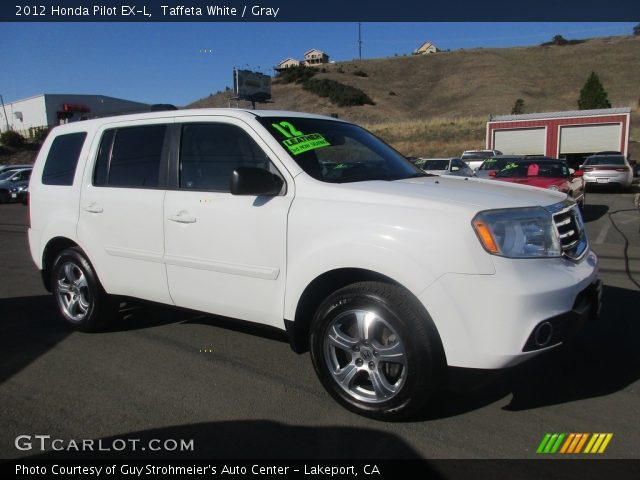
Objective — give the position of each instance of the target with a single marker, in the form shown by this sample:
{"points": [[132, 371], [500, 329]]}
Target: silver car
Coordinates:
{"points": [[607, 169], [444, 166]]}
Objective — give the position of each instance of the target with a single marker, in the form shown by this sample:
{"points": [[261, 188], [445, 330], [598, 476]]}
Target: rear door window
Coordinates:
{"points": [[62, 159]]}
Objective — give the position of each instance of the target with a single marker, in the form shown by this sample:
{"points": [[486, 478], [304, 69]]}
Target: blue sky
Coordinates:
{"points": [[182, 62]]}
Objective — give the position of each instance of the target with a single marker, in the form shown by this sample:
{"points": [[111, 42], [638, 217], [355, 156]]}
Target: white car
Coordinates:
{"points": [[608, 169], [312, 225]]}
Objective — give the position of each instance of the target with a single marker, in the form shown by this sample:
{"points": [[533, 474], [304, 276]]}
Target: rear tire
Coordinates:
{"points": [[376, 350], [82, 302]]}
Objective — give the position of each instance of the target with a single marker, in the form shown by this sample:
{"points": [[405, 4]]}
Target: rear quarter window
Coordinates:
{"points": [[62, 159]]}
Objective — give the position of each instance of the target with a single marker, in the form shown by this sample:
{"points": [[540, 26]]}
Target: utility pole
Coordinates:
{"points": [[6, 119], [360, 40]]}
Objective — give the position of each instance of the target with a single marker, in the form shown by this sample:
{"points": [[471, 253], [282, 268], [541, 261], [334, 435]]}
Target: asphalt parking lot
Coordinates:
{"points": [[239, 391]]}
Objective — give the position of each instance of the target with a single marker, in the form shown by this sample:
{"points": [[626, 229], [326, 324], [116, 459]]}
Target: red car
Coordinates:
{"points": [[545, 173]]}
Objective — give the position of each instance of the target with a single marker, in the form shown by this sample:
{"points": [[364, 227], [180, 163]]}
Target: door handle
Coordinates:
{"points": [[182, 217], [93, 207]]}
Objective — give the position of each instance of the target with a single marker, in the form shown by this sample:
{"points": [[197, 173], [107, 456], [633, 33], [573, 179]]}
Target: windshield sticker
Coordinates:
{"points": [[304, 143], [296, 141], [286, 129]]}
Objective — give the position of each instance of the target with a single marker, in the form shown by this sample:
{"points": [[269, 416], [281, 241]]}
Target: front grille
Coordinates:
{"points": [[571, 232]]}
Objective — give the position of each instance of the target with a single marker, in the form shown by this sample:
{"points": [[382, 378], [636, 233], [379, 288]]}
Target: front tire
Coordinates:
{"points": [[376, 351], [82, 302]]}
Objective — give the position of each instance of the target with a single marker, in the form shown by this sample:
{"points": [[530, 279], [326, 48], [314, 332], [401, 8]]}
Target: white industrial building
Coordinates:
{"points": [[48, 110]]}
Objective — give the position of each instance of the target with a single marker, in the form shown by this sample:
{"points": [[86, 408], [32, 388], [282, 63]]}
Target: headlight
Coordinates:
{"points": [[16, 189], [517, 232]]}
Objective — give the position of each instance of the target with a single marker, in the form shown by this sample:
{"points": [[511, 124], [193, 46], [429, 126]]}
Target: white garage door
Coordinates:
{"points": [[525, 141], [590, 138]]}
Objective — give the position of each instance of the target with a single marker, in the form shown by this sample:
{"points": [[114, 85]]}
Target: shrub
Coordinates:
{"points": [[360, 73], [12, 139], [298, 74], [38, 134], [392, 93], [338, 93], [561, 41], [518, 107]]}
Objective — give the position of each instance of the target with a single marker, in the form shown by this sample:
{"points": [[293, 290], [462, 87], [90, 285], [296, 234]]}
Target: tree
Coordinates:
{"points": [[593, 95], [518, 107], [636, 29]]}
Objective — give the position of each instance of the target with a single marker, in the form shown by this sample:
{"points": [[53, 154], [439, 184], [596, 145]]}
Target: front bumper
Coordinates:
{"points": [[560, 328], [485, 321]]}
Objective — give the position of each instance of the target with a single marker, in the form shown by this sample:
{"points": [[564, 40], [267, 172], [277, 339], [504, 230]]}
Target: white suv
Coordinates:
{"points": [[312, 225]]}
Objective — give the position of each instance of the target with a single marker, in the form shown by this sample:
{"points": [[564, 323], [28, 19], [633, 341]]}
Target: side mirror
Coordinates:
{"points": [[492, 173], [580, 167], [578, 173], [255, 182]]}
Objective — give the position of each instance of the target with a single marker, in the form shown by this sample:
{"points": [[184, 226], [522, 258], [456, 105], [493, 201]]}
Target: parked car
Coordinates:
{"points": [[12, 182], [314, 226], [444, 166], [474, 158], [607, 169], [545, 173], [494, 164]]}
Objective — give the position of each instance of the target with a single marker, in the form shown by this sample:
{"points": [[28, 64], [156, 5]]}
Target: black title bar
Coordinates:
{"points": [[323, 11]]}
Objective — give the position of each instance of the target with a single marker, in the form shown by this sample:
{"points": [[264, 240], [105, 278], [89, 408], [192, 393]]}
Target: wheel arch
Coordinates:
{"points": [[319, 289], [49, 254]]}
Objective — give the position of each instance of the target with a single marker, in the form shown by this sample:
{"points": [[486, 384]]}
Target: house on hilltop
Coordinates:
{"points": [[315, 57], [312, 58], [425, 48], [286, 63]]}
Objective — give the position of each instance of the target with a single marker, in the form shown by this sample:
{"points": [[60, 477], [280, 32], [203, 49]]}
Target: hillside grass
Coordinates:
{"points": [[439, 137], [438, 105]]}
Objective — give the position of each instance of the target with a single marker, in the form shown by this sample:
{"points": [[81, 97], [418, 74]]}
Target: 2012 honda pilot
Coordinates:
{"points": [[312, 225]]}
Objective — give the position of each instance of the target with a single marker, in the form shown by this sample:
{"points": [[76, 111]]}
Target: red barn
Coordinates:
{"points": [[571, 135]]}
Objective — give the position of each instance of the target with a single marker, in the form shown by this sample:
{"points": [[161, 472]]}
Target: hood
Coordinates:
{"points": [[475, 193]]}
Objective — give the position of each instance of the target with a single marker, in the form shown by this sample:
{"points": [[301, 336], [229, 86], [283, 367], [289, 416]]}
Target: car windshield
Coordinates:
{"points": [[338, 152], [605, 160], [535, 169], [433, 164], [7, 174], [496, 163]]}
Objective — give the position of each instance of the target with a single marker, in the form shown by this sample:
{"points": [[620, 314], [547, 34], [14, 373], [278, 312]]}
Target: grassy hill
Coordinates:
{"points": [[438, 104]]}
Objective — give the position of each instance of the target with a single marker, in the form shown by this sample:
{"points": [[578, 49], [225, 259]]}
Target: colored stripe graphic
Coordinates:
{"points": [[573, 443], [598, 442]]}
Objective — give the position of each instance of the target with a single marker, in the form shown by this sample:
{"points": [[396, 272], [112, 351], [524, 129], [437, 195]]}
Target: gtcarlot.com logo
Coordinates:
{"points": [[46, 442], [573, 443]]}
